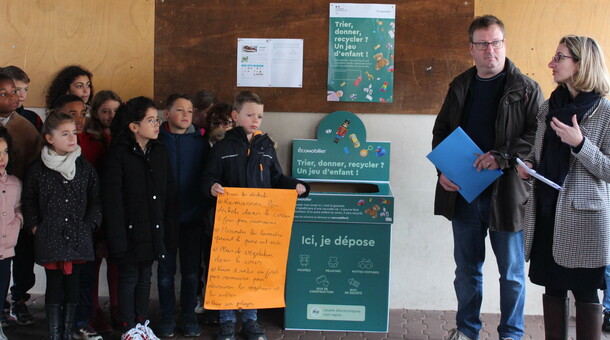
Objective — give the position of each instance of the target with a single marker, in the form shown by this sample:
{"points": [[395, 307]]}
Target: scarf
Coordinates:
{"points": [[555, 157], [65, 165]]}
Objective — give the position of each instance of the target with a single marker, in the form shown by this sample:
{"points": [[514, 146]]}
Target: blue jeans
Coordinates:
{"points": [[191, 239], [606, 302], [470, 226], [246, 314]]}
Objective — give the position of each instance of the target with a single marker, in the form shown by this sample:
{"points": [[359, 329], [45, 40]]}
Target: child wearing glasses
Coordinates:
{"points": [[137, 202]]}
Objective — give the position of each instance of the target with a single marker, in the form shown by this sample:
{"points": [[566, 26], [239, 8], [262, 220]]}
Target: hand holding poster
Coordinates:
{"points": [[250, 248]]}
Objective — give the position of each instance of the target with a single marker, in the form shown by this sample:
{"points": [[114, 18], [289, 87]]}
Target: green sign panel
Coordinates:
{"points": [[338, 278], [347, 208], [339, 260], [341, 152], [361, 53]]}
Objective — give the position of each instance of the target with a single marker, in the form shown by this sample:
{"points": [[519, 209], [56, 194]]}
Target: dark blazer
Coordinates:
{"points": [[138, 201], [65, 212]]}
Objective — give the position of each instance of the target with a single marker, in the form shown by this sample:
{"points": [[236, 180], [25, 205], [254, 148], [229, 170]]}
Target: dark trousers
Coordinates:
{"points": [[134, 291], [62, 288], [23, 267], [190, 246], [5, 277], [86, 283]]}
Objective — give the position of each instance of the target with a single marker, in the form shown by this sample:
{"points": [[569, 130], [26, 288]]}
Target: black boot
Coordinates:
{"points": [[555, 310], [54, 321], [588, 321], [69, 319]]}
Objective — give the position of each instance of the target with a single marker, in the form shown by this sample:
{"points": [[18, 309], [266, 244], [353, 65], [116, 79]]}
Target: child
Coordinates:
{"points": [[188, 152], [245, 158], [94, 142], [26, 142], [61, 207], [137, 200], [71, 80], [203, 101], [22, 82], [12, 221], [74, 106], [217, 122]]}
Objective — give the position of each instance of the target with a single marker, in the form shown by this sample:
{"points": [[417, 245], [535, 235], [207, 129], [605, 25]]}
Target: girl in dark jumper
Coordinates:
{"points": [[137, 197], [61, 208]]}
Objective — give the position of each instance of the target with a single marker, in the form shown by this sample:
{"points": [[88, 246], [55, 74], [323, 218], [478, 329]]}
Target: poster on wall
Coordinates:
{"points": [[361, 53], [269, 62]]}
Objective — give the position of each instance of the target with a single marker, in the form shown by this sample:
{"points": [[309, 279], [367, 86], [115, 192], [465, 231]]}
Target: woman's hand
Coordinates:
{"points": [[301, 189], [34, 230], [522, 172], [217, 189], [570, 135]]}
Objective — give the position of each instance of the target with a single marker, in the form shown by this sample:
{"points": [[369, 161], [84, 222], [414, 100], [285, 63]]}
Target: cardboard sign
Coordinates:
{"points": [[250, 248]]}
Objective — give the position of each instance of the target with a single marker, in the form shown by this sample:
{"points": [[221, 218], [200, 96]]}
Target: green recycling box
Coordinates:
{"points": [[339, 261]]}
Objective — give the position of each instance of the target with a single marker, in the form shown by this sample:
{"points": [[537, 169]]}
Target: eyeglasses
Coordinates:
{"points": [[557, 57], [482, 45], [151, 121], [225, 123]]}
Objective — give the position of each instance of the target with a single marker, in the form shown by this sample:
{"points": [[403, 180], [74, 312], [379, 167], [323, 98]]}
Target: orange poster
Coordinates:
{"points": [[250, 248]]}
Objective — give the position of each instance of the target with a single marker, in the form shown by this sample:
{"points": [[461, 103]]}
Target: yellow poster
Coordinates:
{"points": [[250, 248]]}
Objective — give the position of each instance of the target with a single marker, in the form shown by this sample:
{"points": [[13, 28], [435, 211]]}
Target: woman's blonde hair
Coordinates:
{"points": [[592, 74]]}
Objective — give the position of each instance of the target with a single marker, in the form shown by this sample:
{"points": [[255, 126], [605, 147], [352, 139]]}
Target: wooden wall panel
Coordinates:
{"points": [[533, 30], [195, 48], [114, 39]]}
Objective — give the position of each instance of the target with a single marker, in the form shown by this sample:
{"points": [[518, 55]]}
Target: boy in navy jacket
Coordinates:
{"points": [[188, 152], [245, 158]]}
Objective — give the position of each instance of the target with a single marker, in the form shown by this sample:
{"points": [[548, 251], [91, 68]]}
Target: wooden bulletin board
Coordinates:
{"points": [[113, 39], [196, 42]]}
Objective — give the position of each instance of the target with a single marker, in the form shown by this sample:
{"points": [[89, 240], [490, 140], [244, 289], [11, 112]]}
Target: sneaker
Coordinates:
{"points": [[20, 314], [2, 336], [86, 333], [191, 329], [147, 333], [454, 334], [253, 331], [166, 328], [226, 331], [98, 322], [132, 334], [606, 324], [199, 308]]}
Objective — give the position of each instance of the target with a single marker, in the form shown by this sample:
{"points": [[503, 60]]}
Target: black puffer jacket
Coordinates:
{"points": [[65, 212], [234, 162], [138, 197]]}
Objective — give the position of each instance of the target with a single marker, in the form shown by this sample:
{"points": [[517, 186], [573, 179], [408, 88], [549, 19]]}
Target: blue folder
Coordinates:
{"points": [[455, 156]]}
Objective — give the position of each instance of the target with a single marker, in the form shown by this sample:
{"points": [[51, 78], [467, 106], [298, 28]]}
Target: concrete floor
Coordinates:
{"points": [[404, 324]]}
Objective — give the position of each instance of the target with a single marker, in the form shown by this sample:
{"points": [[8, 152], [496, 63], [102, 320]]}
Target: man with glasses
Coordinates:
{"points": [[496, 105]]}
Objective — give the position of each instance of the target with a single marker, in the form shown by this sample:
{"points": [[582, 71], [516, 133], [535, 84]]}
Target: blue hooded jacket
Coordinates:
{"points": [[188, 154]]}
